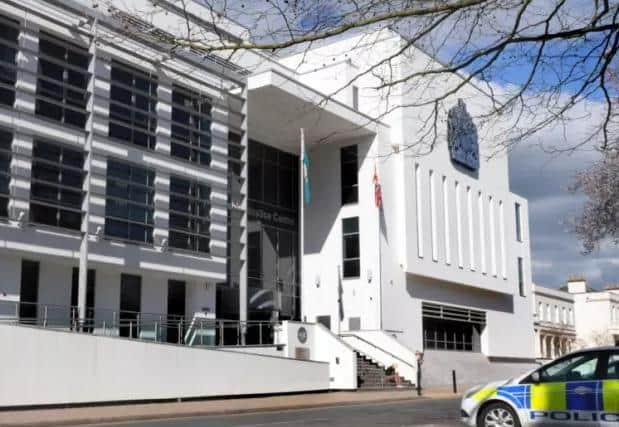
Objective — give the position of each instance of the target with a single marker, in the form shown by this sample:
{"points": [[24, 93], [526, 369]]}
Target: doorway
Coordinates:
{"points": [[130, 304], [176, 311], [29, 292]]}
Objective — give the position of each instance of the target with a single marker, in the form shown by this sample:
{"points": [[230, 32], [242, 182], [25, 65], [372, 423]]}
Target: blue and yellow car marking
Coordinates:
{"points": [[561, 401]]}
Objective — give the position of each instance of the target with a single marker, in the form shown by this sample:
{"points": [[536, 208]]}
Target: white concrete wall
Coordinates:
{"points": [[324, 246], [471, 369], [483, 275], [48, 367], [323, 346], [594, 323]]}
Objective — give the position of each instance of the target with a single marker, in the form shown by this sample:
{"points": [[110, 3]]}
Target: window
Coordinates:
{"points": [[459, 224], [191, 126], [56, 193], [133, 102], [349, 169], [482, 232], [129, 208], [446, 221], [355, 98], [189, 215], [540, 311], [452, 328], [571, 317], [433, 220], [521, 277], [350, 235], [419, 210], [5, 171], [62, 81], [580, 367], [9, 32], [612, 372], [564, 318], [469, 214], [518, 223], [548, 313]]}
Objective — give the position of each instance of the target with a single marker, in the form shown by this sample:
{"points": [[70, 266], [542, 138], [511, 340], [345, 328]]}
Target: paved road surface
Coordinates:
{"points": [[419, 413]]}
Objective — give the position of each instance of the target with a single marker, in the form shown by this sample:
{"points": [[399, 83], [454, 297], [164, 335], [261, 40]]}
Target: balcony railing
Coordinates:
{"points": [[155, 327]]}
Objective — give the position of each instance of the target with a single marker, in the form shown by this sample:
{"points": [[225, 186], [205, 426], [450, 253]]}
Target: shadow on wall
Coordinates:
{"points": [[325, 180], [455, 294]]}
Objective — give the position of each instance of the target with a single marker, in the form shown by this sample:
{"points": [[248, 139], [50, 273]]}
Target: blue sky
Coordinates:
{"points": [[540, 177]]}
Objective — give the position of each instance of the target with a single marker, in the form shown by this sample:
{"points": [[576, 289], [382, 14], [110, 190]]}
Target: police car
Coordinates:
{"points": [[581, 388]]}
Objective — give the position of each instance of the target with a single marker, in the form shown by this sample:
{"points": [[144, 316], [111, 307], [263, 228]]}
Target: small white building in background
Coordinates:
{"points": [[597, 314], [574, 316], [554, 322]]}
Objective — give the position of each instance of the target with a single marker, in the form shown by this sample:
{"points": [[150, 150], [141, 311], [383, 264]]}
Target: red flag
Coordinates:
{"points": [[378, 193]]}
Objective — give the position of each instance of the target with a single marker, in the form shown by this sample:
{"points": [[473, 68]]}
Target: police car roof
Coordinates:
{"points": [[592, 349]]}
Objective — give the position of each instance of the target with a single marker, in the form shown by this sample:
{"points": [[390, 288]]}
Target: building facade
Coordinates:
{"points": [[142, 186], [597, 320], [116, 166], [554, 322]]}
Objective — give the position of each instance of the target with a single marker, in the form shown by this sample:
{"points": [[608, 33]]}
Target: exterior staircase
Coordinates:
{"points": [[373, 376]]}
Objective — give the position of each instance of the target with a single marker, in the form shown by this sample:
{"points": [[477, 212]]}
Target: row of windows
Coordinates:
{"points": [[560, 315], [57, 195], [62, 95]]}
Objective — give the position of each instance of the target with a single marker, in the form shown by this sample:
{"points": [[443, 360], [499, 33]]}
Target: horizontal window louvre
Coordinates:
{"points": [[438, 311], [9, 33], [133, 102], [62, 81], [5, 170], [129, 206], [191, 126], [189, 215], [56, 192]]}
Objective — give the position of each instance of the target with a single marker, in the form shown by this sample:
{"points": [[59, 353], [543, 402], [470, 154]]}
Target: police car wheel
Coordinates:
{"points": [[498, 415]]}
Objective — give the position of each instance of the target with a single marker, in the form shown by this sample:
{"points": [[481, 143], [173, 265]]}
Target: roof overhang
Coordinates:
{"points": [[279, 106]]}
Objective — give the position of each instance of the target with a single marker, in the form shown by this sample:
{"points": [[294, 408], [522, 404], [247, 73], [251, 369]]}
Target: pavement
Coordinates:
{"points": [[175, 412]]}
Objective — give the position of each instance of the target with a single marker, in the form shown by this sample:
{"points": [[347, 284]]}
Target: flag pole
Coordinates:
{"points": [[301, 220]]}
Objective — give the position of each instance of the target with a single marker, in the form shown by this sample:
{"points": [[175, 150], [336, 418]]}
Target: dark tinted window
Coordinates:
{"points": [[520, 267], [133, 102], [5, 170], [578, 367], [612, 368], [62, 81], [191, 126], [349, 169], [9, 32], [129, 204], [189, 215], [56, 185], [351, 258], [518, 222]]}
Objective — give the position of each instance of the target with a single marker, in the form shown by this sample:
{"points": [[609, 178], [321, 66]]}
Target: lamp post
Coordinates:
{"points": [[419, 357]]}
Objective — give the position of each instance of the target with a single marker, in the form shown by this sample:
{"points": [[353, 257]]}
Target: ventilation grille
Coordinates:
{"points": [[437, 311]]}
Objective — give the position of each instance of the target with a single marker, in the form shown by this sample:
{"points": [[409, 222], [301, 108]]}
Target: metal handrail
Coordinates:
{"points": [[378, 348], [198, 331]]}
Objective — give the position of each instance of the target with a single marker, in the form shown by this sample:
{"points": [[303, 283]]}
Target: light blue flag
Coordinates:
{"points": [[307, 188]]}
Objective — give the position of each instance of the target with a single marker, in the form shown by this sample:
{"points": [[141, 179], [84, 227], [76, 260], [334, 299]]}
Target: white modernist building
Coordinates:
{"points": [[146, 193]]}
